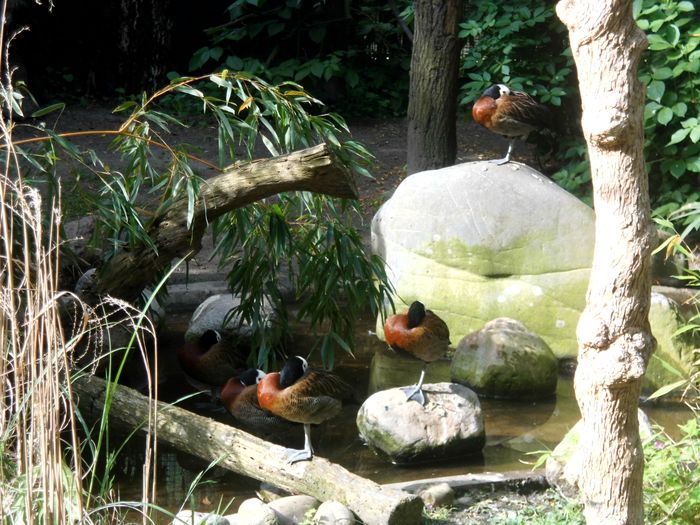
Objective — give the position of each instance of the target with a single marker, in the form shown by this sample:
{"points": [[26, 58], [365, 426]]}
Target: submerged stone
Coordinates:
{"points": [[505, 360], [449, 425], [390, 369], [477, 241]]}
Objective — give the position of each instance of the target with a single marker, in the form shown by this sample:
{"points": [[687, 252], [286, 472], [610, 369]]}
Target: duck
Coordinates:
{"points": [[419, 333], [239, 397], [303, 395], [513, 114], [209, 361]]}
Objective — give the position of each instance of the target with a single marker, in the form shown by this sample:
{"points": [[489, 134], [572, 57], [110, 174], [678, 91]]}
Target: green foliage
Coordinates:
{"points": [[521, 44], [524, 45], [335, 279], [672, 477], [355, 57], [669, 71]]}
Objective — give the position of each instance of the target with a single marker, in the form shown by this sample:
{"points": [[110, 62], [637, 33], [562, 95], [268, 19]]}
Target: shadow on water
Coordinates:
{"points": [[516, 434]]}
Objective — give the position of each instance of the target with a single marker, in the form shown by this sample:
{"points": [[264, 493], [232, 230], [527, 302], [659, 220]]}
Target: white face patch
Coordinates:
{"points": [[259, 377], [503, 89], [304, 363]]}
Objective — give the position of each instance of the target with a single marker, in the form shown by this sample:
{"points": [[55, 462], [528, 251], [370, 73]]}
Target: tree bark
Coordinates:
{"points": [[432, 98], [615, 341], [312, 169], [244, 453]]}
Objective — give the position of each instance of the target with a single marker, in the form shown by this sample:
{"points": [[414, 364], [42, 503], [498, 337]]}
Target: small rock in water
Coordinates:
{"points": [[293, 509], [333, 513], [254, 512], [437, 495], [190, 517], [449, 425], [269, 492]]}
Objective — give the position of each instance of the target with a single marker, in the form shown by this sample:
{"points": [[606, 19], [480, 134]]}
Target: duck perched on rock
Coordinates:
{"points": [[210, 360], [513, 114], [302, 395], [421, 334]]}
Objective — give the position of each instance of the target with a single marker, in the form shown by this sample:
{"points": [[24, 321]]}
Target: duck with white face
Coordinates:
{"points": [[513, 114], [302, 395]]}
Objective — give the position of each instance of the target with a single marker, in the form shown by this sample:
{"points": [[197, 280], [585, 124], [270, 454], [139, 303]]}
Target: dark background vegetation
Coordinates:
{"points": [[355, 57]]}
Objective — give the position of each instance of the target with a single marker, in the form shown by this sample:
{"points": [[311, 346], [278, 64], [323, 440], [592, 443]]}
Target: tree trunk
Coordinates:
{"points": [[313, 169], [145, 40], [432, 99], [614, 336], [241, 452]]}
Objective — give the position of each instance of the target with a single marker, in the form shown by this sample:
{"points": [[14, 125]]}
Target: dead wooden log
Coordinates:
{"points": [[313, 169], [251, 456]]}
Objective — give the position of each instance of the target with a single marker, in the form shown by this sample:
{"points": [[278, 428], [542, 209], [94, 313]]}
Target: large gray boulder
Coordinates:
{"points": [[505, 360], [215, 314], [678, 351], [477, 241], [449, 425]]}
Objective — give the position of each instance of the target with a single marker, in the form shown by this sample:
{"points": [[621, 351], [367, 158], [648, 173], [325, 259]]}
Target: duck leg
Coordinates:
{"points": [[306, 453], [416, 392], [505, 159]]}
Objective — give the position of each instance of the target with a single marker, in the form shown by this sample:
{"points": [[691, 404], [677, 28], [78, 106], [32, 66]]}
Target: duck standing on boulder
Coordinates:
{"points": [[513, 114], [421, 334], [302, 395]]}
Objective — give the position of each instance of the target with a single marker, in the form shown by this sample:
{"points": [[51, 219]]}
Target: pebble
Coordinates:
{"points": [[254, 512], [190, 517], [333, 513], [293, 509], [437, 495]]}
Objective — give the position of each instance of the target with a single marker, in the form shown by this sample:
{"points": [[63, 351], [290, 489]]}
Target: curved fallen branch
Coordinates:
{"points": [[251, 456], [313, 169]]}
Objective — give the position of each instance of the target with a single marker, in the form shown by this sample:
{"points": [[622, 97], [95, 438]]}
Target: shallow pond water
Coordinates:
{"points": [[515, 434]]}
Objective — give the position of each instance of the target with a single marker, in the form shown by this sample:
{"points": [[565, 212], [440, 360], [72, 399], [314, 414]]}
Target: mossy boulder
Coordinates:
{"points": [[505, 360], [449, 425], [666, 318], [477, 241], [390, 369]]}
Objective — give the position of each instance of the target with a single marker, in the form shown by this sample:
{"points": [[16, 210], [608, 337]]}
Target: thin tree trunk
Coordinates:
{"points": [[432, 99], [312, 169], [241, 452], [614, 336]]}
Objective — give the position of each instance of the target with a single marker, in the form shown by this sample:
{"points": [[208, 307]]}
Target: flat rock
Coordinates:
{"points": [[449, 425]]}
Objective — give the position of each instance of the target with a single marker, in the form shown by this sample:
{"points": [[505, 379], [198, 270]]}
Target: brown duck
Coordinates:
{"points": [[421, 334], [239, 396], [513, 114], [302, 395], [209, 361]]}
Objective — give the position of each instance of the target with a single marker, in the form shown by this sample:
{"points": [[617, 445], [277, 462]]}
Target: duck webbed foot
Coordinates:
{"points": [[414, 393]]}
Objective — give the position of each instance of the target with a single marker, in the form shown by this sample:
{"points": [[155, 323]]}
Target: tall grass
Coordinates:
{"points": [[47, 455]]}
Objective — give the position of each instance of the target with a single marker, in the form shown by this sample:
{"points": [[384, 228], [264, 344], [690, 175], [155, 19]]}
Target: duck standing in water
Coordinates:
{"points": [[421, 334], [208, 361], [302, 395], [513, 114]]}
